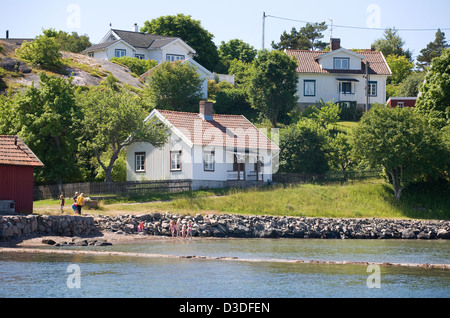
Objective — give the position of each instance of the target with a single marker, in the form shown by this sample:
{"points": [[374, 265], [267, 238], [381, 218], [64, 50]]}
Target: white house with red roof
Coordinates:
{"points": [[345, 76], [209, 149]]}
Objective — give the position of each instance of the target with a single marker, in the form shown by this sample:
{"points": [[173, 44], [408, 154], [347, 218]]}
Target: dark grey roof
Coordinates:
{"points": [[143, 40], [100, 46]]}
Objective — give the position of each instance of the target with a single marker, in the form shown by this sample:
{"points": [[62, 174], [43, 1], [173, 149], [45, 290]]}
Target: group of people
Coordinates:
{"points": [[78, 202], [181, 229]]}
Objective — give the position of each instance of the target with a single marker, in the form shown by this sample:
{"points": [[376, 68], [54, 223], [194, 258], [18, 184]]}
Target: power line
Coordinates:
{"points": [[358, 28]]}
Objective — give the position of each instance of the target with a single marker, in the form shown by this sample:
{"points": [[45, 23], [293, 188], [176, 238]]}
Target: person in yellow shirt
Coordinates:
{"points": [[80, 202]]}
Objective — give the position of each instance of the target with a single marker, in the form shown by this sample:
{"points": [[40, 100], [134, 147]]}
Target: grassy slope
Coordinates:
{"points": [[362, 199]]}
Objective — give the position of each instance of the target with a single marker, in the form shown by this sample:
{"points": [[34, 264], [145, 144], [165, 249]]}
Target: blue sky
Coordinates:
{"points": [[232, 19]]}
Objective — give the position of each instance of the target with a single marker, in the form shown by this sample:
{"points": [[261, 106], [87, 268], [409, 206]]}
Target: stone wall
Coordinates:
{"points": [[279, 227], [224, 225], [34, 225]]}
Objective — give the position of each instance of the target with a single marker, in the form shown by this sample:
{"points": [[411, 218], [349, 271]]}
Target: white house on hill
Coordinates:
{"points": [[341, 75], [161, 48], [211, 150]]}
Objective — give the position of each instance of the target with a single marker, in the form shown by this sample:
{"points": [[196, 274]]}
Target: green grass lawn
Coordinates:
{"points": [[358, 199]]}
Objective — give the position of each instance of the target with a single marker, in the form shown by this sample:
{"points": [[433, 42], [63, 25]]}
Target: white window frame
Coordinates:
{"points": [[209, 160], [140, 56], [121, 51], [175, 160], [339, 63], [174, 57], [373, 88], [139, 160]]}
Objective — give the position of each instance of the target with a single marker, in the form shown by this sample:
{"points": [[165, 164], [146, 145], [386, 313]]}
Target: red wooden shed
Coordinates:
{"points": [[402, 101], [17, 163]]}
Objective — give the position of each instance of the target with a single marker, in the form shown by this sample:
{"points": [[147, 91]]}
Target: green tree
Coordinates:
{"points": [[434, 49], [191, 32], [328, 113], [174, 86], [273, 86], [402, 142], [400, 66], [69, 42], [434, 98], [307, 38], [46, 120], [304, 148], [392, 44], [412, 84], [43, 52], [243, 73], [236, 49], [112, 121], [234, 101], [340, 154]]}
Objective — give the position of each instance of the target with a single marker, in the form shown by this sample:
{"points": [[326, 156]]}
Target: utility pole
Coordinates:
{"points": [[367, 85], [264, 30], [331, 28]]}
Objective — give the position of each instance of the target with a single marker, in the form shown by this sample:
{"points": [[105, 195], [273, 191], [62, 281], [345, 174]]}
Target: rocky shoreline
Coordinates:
{"points": [[221, 226], [238, 226]]}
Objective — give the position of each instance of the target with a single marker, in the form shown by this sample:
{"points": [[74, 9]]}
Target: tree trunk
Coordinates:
{"points": [[395, 175]]}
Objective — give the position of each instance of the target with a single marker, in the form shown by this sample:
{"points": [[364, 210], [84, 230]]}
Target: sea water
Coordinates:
{"points": [[265, 276]]}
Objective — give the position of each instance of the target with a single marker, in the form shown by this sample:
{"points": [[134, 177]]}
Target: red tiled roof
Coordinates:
{"points": [[13, 151], [223, 130], [307, 63]]}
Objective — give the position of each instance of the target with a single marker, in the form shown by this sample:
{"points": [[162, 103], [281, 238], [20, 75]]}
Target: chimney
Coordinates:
{"points": [[206, 110], [335, 44], [7, 34], [136, 28]]}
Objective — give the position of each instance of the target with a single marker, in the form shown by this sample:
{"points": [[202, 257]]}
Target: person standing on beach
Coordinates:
{"points": [[172, 227], [61, 203], [80, 202], [183, 230], [189, 230], [177, 227], [74, 205]]}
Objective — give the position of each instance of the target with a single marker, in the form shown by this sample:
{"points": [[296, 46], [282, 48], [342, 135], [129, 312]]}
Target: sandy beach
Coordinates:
{"points": [[104, 235]]}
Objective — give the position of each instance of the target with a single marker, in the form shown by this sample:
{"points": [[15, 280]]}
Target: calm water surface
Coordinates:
{"points": [[42, 275]]}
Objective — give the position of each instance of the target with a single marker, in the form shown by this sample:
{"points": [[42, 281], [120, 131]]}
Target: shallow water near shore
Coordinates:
{"points": [[46, 275]]}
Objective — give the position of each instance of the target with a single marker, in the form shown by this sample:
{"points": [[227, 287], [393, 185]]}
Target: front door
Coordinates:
{"points": [[239, 166]]}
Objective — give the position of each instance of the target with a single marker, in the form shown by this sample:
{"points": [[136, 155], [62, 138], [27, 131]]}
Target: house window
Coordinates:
{"points": [[140, 56], [120, 53], [401, 104], [373, 88], [309, 88], [175, 160], [140, 161], [208, 160], [341, 63], [91, 54], [174, 57], [345, 87]]}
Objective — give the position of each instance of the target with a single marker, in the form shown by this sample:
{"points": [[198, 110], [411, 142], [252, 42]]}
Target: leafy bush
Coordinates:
{"points": [[136, 65], [43, 52]]}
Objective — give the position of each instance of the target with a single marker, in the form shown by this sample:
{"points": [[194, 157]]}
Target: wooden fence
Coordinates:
{"points": [[331, 176], [114, 188]]}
